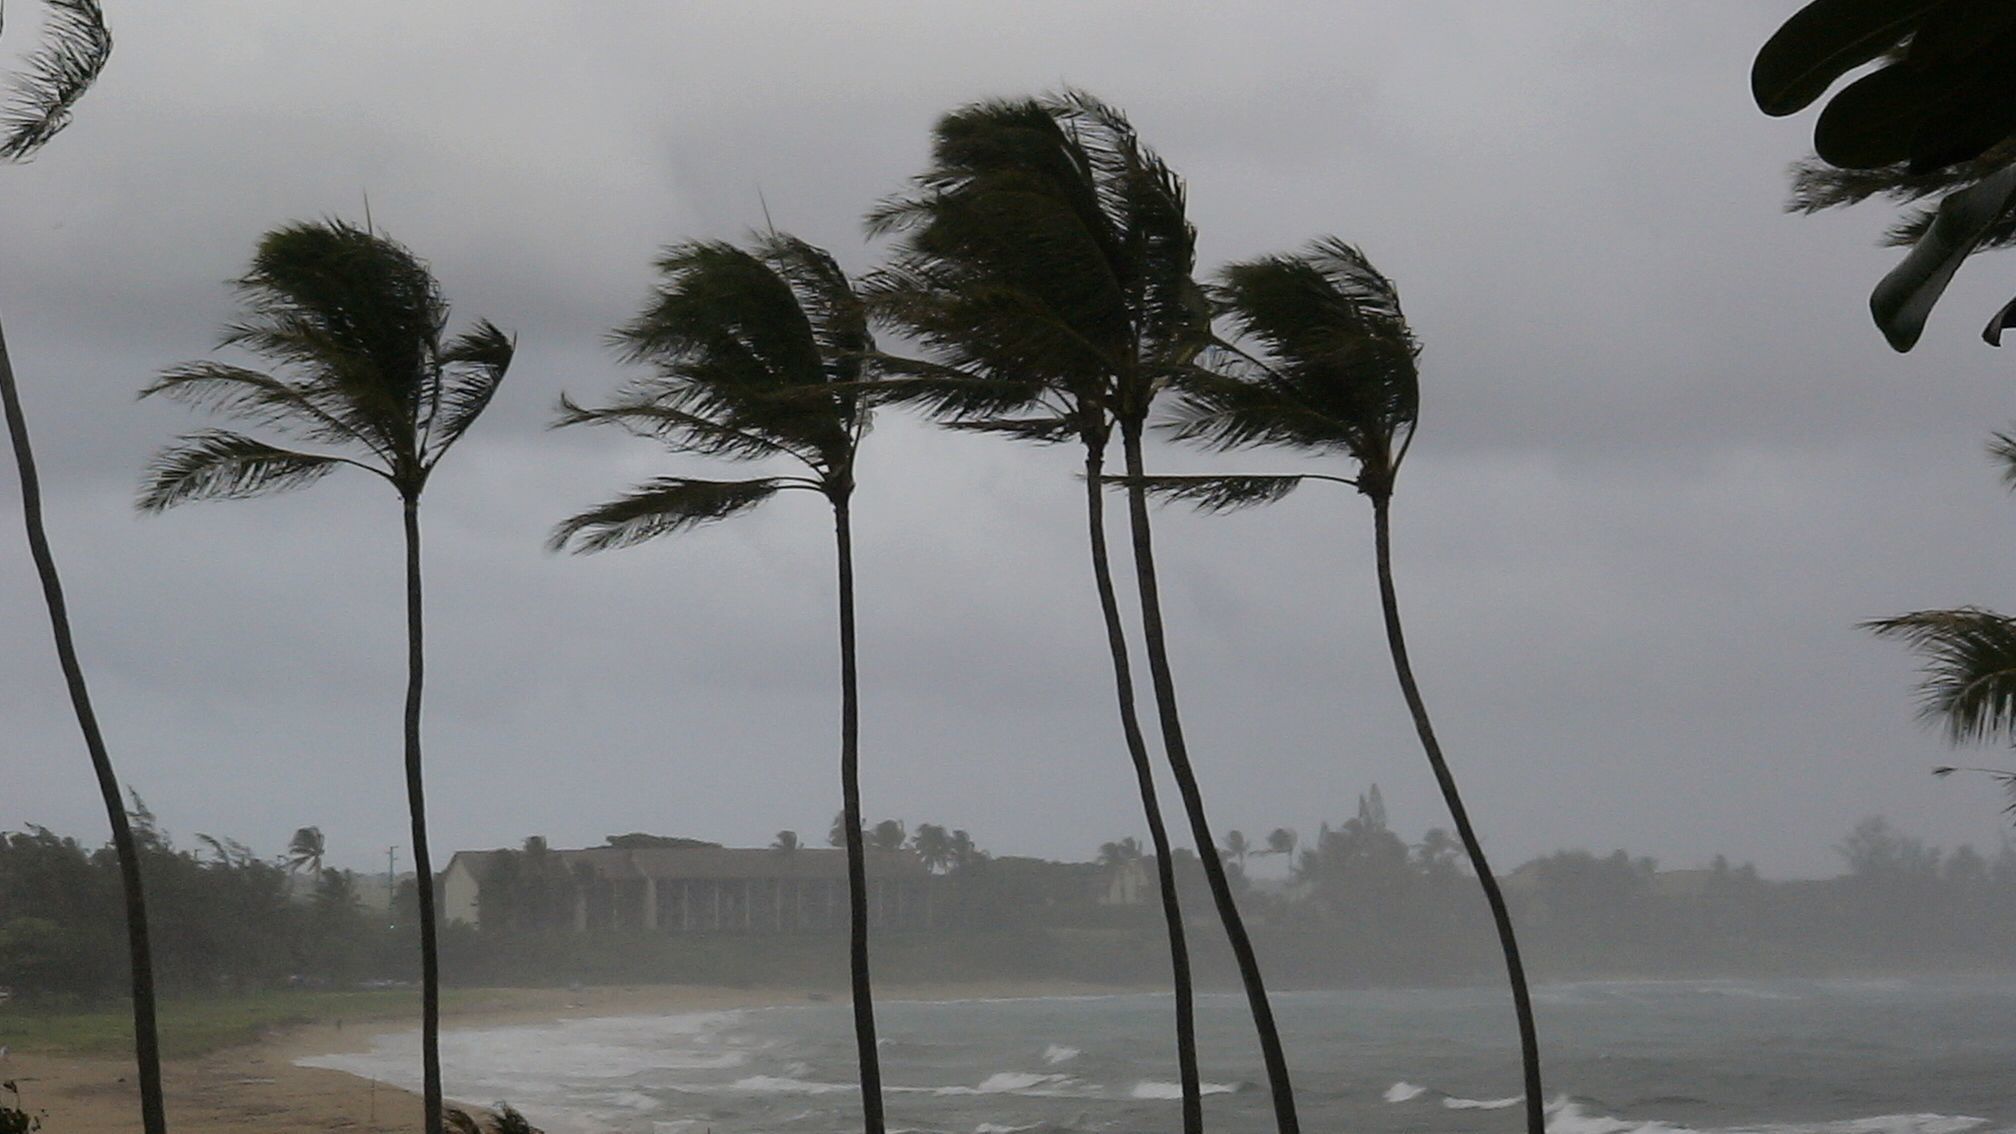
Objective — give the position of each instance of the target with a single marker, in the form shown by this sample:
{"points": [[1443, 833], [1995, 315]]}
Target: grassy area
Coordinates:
{"points": [[191, 1027]]}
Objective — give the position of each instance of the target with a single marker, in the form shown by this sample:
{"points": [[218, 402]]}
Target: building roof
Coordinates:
{"points": [[708, 862]]}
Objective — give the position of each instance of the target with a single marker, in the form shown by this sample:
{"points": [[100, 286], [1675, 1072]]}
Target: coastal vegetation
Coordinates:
{"points": [[1360, 904]]}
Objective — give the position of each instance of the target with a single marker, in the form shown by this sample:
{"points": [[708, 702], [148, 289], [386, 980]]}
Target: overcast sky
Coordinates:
{"points": [[1665, 462]]}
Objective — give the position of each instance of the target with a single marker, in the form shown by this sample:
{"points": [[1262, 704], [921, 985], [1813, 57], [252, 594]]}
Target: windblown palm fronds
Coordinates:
{"points": [[356, 327], [1969, 668], [75, 47]]}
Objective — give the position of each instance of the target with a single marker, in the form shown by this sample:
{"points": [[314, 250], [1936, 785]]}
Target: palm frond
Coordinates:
{"points": [[641, 416], [1044, 430], [2002, 449], [249, 395], [1213, 493], [217, 464], [1969, 668], [2001, 776], [74, 49], [663, 507], [472, 366]]}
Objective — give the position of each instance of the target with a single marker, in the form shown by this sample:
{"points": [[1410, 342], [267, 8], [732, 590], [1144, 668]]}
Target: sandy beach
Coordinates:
{"points": [[257, 1087]]}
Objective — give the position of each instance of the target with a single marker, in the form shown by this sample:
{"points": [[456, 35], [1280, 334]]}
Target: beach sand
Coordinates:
{"points": [[257, 1087]]}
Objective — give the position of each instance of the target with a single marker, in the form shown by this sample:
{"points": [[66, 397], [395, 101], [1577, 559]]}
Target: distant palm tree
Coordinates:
{"points": [[38, 105], [304, 852], [1335, 374], [786, 842], [1120, 853], [356, 324], [888, 835], [1046, 261], [1281, 840], [836, 835], [962, 851], [1236, 847], [758, 353], [933, 844]]}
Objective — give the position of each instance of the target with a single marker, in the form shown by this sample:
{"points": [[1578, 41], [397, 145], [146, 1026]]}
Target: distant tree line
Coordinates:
{"points": [[1359, 905]]}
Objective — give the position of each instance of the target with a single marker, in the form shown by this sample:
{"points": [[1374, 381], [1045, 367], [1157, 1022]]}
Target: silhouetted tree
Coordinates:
{"points": [[304, 851], [1331, 369], [758, 354], [1046, 261], [356, 325], [39, 102]]}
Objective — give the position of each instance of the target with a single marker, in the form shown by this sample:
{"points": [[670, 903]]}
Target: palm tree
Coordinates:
{"points": [[758, 353], [888, 835], [1282, 841], [786, 842], [1236, 847], [933, 844], [1336, 374], [1120, 853], [836, 835], [355, 325], [39, 104], [1046, 261], [304, 851]]}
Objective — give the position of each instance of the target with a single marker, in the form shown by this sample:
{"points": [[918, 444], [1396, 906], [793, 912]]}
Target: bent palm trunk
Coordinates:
{"points": [[1529, 1043], [850, 805], [146, 1037], [1144, 775], [1186, 783], [423, 861]]}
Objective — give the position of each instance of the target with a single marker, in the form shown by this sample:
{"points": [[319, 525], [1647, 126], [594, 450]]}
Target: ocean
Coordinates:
{"points": [[1894, 1056]]}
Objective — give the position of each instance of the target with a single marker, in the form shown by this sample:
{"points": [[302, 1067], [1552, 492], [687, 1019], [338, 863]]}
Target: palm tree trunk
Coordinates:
{"points": [[1522, 1003], [1193, 799], [1144, 775], [146, 1036], [850, 807], [423, 861]]}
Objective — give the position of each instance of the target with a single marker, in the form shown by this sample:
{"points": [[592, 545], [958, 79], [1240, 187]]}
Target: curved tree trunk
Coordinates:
{"points": [[423, 861], [146, 1036], [850, 807], [1522, 1003], [1144, 775], [1193, 799]]}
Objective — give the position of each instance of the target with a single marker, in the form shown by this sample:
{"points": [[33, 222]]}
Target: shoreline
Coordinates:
{"points": [[256, 1086]]}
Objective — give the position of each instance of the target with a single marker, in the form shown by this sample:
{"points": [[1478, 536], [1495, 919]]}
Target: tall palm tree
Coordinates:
{"points": [[305, 850], [54, 76], [786, 842], [355, 326], [1236, 847], [1335, 374], [1046, 261], [1281, 840], [757, 353]]}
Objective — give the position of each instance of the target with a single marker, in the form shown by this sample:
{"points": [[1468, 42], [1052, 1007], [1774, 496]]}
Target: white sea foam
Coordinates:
{"points": [[1154, 1089], [1566, 1117], [1454, 1103], [782, 1085], [1058, 1053], [1403, 1091]]}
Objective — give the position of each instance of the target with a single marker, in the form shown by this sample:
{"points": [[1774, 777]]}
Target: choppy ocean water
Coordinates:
{"points": [[1905, 1056]]}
